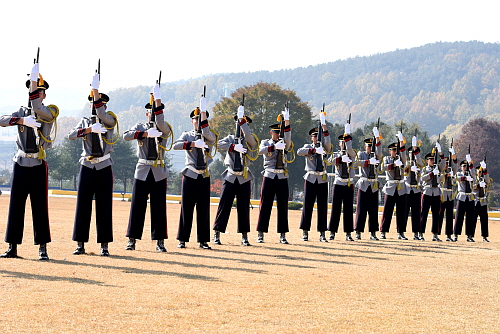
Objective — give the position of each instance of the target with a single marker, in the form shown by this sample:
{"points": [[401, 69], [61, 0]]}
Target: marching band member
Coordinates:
{"points": [[315, 184], [96, 174], [196, 177], [395, 189], [275, 180], [150, 176], [368, 187], [343, 186], [30, 173], [481, 189], [237, 179]]}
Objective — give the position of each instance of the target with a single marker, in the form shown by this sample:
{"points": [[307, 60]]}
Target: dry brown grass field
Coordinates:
{"points": [[387, 286]]}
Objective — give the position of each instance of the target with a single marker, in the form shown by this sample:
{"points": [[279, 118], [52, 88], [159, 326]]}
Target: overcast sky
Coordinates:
{"points": [[189, 39]]}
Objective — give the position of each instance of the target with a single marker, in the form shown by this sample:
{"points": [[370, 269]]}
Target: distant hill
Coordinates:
{"points": [[437, 85]]}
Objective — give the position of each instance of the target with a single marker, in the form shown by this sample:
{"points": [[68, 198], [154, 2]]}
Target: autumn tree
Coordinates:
{"points": [[263, 103], [483, 136]]}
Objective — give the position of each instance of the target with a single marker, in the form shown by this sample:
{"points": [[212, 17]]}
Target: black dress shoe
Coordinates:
{"points": [[260, 237], [357, 236], [322, 237], [485, 239], [217, 238], [470, 239], [283, 239], [382, 236], [332, 236], [244, 239], [204, 245], [11, 252], [305, 235], [42, 253], [130, 244], [348, 237], [104, 249], [160, 246], [182, 244], [373, 236], [80, 249]]}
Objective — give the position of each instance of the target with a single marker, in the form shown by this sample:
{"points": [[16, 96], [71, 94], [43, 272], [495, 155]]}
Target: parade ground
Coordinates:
{"points": [[386, 286]]}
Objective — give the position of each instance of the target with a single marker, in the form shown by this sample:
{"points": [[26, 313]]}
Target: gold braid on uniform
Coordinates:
{"points": [[381, 167], [356, 160], [54, 110], [171, 136], [292, 151], [212, 145], [247, 157], [117, 129], [327, 160]]}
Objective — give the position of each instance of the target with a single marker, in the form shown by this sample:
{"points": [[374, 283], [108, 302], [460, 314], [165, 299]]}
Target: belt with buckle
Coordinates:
{"points": [[97, 160]]}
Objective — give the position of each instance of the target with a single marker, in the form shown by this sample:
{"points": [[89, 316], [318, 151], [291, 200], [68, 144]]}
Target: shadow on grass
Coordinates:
{"points": [[36, 277], [193, 265], [325, 253], [293, 258], [130, 270]]}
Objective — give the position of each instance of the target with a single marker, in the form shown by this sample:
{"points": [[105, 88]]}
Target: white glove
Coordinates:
{"points": [[153, 133], [95, 81], [452, 150], [203, 104], [286, 114], [483, 164], [157, 92], [414, 169], [436, 171], [97, 128], [241, 111], [414, 141], [320, 150], [482, 184], [376, 134], [34, 72], [469, 178], [346, 159], [280, 146], [399, 135], [322, 118], [467, 157], [373, 161], [347, 128], [398, 163], [200, 143], [31, 121], [451, 173], [438, 146], [240, 148]]}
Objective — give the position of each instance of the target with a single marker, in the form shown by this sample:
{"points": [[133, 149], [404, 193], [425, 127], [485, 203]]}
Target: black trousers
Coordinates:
{"points": [[433, 203], [414, 202], [99, 184], [465, 208], [401, 217], [447, 206], [229, 192], [481, 211], [367, 204], [342, 197], [30, 181], [315, 192], [195, 192], [157, 191], [270, 188]]}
